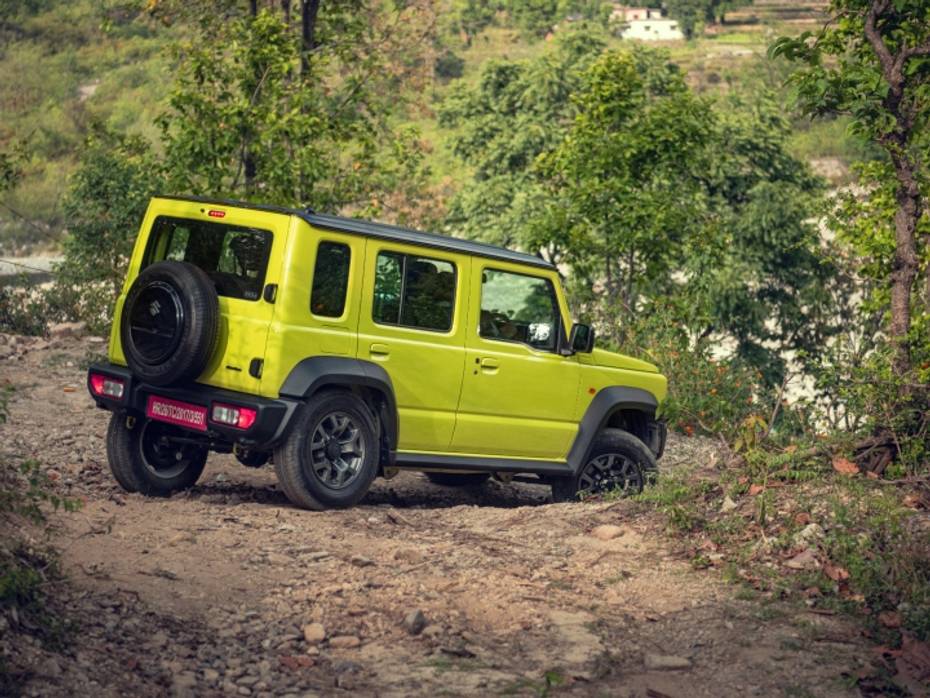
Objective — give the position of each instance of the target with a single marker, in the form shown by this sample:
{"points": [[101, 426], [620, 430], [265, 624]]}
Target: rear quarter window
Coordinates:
{"points": [[234, 257]]}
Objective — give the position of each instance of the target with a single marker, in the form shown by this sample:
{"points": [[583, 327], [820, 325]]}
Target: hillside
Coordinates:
{"points": [[80, 66]]}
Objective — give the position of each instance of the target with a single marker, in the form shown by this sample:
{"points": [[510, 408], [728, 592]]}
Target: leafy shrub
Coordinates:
{"points": [[449, 65], [22, 309], [104, 207], [707, 394]]}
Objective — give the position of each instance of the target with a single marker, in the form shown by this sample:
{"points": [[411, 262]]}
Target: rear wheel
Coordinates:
{"points": [[330, 457], [145, 458], [458, 479], [618, 463]]}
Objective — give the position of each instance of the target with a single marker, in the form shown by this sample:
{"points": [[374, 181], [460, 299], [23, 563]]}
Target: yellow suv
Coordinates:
{"points": [[342, 350]]}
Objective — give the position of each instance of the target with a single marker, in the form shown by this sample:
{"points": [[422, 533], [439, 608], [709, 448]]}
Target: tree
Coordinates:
{"points": [[872, 61], [292, 115], [518, 110], [607, 164]]}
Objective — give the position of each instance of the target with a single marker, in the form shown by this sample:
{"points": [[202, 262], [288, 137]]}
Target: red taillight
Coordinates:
{"points": [[105, 386], [239, 417], [215, 213]]}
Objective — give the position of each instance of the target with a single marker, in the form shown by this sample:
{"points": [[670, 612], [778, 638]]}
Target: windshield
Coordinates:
{"points": [[234, 257]]}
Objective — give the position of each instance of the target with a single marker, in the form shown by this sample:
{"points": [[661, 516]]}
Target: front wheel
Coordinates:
{"points": [[330, 457], [144, 457], [618, 463]]}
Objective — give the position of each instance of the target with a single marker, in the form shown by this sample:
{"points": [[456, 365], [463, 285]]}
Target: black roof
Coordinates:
{"points": [[383, 231]]}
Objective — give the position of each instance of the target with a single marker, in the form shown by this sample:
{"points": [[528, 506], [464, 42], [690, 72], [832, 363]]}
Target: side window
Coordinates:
{"points": [[330, 279], [414, 292], [519, 308]]}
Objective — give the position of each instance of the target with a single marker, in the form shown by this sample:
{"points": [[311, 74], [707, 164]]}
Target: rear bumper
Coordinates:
{"points": [[272, 415]]}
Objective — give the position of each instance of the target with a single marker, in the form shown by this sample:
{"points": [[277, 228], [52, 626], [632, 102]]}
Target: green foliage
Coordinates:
{"points": [[885, 552], [23, 309], [707, 395], [449, 65], [250, 119], [105, 204], [841, 74], [515, 112], [608, 163]]}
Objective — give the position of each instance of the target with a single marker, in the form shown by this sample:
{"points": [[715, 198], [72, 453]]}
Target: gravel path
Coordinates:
{"points": [[227, 590]]}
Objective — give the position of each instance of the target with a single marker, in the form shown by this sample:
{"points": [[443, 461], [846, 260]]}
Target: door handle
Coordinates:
{"points": [[490, 363], [378, 349]]}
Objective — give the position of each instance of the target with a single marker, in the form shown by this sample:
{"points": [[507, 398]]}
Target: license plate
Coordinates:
{"points": [[183, 414]]}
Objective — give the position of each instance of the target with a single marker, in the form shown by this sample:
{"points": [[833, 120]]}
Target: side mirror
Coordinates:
{"points": [[581, 338]]}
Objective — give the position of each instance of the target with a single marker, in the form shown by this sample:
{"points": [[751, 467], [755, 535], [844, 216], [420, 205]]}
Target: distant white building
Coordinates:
{"points": [[624, 14], [653, 29]]}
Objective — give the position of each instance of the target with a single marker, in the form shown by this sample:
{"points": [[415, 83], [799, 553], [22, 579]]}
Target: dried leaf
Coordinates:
{"points": [[912, 501], [802, 518], [755, 489], [835, 572], [844, 466]]}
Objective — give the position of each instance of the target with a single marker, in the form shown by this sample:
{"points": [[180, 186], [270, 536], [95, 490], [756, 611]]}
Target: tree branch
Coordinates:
{"points": [[876, 10]]}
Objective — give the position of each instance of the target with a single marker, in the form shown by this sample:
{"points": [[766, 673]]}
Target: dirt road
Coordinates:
{"points": [[228, 590]]}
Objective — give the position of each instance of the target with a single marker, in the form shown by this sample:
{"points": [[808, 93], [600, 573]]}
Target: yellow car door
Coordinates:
{"points": [[518, 393], [412, 323]]}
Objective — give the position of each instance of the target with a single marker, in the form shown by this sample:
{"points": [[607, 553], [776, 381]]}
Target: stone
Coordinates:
{"points": [[607, 532], [809, 535], [314, 633], [666, 662], [414, 622], [60, 330], [50, 668], [805, 560], [360, 561], [184, 683], [344, 642], [211, 675]]}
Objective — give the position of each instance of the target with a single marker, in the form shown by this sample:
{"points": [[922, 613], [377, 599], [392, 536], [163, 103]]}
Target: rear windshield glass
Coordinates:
{"points": [[234, 257]]}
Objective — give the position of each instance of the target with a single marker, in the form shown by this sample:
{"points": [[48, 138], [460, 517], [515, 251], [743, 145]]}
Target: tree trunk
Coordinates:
{"points": [[904, 268], [309, 9], [253, 8], [286, 11]]}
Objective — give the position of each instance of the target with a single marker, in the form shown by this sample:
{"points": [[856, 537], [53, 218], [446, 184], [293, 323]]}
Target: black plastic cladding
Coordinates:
{"points": [[382, 231]]}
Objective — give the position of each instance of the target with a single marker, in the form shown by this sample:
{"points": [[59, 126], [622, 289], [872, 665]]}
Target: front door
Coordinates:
{"points": [[412, 324], [518, 394]]}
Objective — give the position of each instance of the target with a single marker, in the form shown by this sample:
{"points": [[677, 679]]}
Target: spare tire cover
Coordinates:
{"points": [[169, 323]]}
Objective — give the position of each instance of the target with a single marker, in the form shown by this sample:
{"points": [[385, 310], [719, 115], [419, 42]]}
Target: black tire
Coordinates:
{"points": [[618, 460], [309, 472], [170, 323], [458, 479], [140, 462]]}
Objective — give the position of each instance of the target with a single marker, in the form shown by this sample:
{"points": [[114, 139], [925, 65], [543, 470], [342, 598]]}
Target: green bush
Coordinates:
{"points": [[708, 394], [449, 65]]}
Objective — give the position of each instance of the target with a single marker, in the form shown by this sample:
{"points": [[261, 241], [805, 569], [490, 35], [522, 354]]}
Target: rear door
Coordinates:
{"points": [[412, 322], [241, 251]]}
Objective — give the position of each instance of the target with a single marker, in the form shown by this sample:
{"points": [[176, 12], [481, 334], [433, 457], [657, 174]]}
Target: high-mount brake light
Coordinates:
{"points": [[105, 386], [215, 213], [239, 417]]}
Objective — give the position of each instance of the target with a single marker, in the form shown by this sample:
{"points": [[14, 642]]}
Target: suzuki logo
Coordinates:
{"points": [[155, 308]]}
